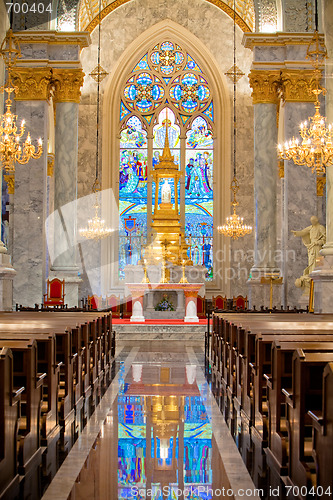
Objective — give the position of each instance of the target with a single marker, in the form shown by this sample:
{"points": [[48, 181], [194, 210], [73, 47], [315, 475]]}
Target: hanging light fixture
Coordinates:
{"points": [[316, 148], [234, 227], [96, 226], [11, 150]]}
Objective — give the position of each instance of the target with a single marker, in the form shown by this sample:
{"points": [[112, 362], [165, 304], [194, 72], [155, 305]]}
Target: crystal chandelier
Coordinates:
{"points": [[234, 227], [96, 226], [316, 147], [10, 133]]}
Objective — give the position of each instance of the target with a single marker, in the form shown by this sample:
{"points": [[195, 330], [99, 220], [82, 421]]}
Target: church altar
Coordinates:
{"points": [[187, 290]]}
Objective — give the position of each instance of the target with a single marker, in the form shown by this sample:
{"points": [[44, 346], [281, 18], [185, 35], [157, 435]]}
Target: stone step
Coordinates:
{"points": [[160, 332]]}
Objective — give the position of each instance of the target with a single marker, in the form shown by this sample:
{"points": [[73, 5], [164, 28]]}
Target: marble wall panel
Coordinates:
{"points": [[29, 234], [300, 203], [63, 52], [212, 27]]}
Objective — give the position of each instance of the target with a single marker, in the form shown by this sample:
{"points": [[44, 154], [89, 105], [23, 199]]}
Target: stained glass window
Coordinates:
{"points": [[132, 193], [166, 83]]}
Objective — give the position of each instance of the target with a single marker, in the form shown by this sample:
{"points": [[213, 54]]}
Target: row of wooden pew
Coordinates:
{"points": [[272, 376], [54, 368]]}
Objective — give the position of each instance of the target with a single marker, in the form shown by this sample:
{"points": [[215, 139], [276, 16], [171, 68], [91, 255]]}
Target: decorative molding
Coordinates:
{"points": [[321, 183], [68, 83], [34, 83], [10, 179], [252, 40], [297, 85], [265, 85], [118, 3], [80, 38]]}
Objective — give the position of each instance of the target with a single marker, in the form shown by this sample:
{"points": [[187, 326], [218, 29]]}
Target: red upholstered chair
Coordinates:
{"points": [[219, 302], [94, 302], [127, 307], [240, 302], [113, 303], [55, 295], [201, 311]]}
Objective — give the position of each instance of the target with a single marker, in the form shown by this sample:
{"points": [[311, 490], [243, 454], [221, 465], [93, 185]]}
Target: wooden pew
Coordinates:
{"points": [[322, 435], [304, 395], [28, 444], [9, 415], [49, 425]]}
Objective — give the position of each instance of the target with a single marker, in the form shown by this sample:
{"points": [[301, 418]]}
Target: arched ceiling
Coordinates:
{"points": [[88, 12]]}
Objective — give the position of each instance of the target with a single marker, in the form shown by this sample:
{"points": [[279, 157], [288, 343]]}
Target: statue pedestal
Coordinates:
{"points": [[322, 277], [7, 273], [189, 290]]}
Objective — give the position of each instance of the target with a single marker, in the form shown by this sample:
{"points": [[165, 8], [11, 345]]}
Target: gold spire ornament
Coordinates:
{"points": [[10, 133], [316, 147], [234, 227]]}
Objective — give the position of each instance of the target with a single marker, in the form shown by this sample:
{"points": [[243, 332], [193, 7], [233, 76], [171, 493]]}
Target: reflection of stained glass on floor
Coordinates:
{"points": [[164, 435]]}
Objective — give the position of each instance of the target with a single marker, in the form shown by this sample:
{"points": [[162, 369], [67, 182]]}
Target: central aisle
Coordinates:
{"points": [[157, 433]]}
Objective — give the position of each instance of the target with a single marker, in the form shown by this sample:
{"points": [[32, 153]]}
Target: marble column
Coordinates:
{"points": [[63, 247], [323, 274], [265, 195], [28, 213]]}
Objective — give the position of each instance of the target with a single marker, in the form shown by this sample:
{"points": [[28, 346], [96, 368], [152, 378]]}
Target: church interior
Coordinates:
{"points": [[166, 249]]}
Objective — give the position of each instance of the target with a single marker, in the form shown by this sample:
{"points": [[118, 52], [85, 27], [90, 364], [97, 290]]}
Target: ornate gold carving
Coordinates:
{"points": [[297, 85], [118, 3], [264, 85], [34, 83], [10, 179], [321, 183], [68, 83], [50, 165], [281, 169]]}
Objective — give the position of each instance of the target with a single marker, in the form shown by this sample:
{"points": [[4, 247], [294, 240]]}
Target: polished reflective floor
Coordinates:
{"points": [[160, 434]]}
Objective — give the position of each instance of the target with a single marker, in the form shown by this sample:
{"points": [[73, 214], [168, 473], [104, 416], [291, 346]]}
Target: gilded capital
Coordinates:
{"points": [[34, 83], [298, 85], [68, 83], [264, 84]]}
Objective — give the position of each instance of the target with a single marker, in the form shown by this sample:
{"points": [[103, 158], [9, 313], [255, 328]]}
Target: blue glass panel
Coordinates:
{"points": [[209, 112], [144, 79], [189, 79], [133, 136], [155, 58], [144, 105], [176, 92], [167, 70], [191, 64], [123, 111], [189, 106], [157, 92], [167, 46], [142, 64], [203, 92], [179, 58]]}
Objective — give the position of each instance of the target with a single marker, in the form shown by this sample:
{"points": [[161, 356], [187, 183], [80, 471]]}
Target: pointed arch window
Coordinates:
{"points": [[166, 84]]}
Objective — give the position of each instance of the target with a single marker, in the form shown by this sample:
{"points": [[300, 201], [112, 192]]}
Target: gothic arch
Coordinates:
{"points": [[110, 137]]}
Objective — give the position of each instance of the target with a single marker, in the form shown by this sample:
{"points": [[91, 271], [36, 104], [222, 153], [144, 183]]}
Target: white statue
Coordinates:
{"points": [[166, 192], [313, 237]]}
